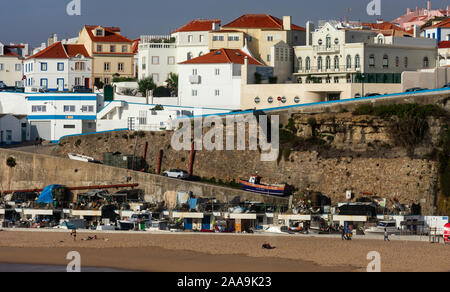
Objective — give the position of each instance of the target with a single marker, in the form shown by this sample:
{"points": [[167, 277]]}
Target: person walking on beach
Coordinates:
{"points": [[386, 235], [74, 234], [343, 232]]}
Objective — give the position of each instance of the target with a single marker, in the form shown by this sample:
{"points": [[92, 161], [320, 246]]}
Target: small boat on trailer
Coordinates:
{"points": [[254, 185]]}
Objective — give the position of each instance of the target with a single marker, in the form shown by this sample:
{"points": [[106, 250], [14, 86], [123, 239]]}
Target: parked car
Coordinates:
{"points": [[176, 173], [372, 94], [81, 89], [415, 89], [2, 84], [357, 95], [446, 85]]}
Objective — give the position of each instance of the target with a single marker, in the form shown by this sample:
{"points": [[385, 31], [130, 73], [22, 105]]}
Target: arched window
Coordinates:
{"points": [[308, 63], [300, 63], [385, 61], [380, 40], [426, 62], [189, 56], [349, 62], [328, 63], [336, 62], [200, 54], [372, 60], [328, 41], [397, 61], [406, 62], [319, 63], [357, 62]]}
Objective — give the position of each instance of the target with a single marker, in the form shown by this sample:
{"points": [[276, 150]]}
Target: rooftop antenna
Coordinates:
{"points": [[347, 16]]}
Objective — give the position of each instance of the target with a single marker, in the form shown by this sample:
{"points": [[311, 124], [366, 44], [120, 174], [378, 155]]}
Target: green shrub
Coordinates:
{"points": [[11, 162]]}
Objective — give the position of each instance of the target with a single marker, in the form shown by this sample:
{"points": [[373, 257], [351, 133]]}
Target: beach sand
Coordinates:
{"points": [[219, 252]]}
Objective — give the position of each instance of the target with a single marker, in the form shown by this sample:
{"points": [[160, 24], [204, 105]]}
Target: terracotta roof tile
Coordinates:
{"points": [[74, 50], [111, 35], [55, 51], [262, 21], [221, 56], [198, 25], [444, 23], [444, 45], [60, 51]]}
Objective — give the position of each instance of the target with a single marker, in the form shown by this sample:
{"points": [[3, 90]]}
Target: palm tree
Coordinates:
{"points": [[145, 85], [172, 83]]}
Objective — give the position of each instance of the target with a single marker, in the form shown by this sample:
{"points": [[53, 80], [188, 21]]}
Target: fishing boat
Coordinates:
{"points": [[254, 185], [80, 157]]}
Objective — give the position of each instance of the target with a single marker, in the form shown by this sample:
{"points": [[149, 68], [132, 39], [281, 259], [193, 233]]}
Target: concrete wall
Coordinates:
{"points": [[433, 78], [38, 171]]}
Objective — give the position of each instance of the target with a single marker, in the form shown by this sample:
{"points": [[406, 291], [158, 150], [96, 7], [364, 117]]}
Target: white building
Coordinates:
{"points": [[53, 116], [192, 39], [139, 116], [444, 53], [157, 57], [333, 55], [58, 68], [14, 129], [214, 80], [439, 32], [11, 57]]}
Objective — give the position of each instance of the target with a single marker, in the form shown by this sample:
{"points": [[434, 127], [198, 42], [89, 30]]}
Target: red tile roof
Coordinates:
{"points": [[55, 51], [382, 26], [222, 56], [444, 45], [135, 48], [60, 51], [111, 35], [444, 23], [262, 21], [7, 52], [198, 25], [73, 50]]}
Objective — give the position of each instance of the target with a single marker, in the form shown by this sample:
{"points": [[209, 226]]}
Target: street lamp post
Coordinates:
{"points": [[362, 80]]}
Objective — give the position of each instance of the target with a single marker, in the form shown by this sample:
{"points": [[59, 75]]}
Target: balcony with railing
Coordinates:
{"points": [[327, 49], [333, 69]]}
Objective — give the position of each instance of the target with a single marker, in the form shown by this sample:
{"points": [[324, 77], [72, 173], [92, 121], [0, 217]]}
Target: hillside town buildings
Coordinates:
{"points": [[256, 61]]}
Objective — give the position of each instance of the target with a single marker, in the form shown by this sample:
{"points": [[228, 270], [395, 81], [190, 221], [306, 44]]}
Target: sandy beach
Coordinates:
{"points": [[219, 253]]}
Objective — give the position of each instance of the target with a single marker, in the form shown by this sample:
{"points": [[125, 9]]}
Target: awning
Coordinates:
{"points": [[187, 215], [242, 216], [37, 212]]}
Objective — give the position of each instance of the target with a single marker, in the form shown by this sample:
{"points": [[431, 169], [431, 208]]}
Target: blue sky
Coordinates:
{"points": [[33, 21]]}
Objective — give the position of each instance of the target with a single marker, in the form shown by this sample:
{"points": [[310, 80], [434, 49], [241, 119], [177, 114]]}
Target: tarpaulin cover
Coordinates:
{"points": [[170, 199], [46, 196], [192, 203]]}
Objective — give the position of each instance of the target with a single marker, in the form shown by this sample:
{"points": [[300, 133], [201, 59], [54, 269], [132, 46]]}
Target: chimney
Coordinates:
{"points": [[215, 26], [287, 22], [309, 30], [416, 30], [408, 11], [429, 6], [448, 10]]}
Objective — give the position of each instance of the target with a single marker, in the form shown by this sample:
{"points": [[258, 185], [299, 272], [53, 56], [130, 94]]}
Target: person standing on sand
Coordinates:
{"points": [[74, 234], [343, 232], [386, 235]]}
